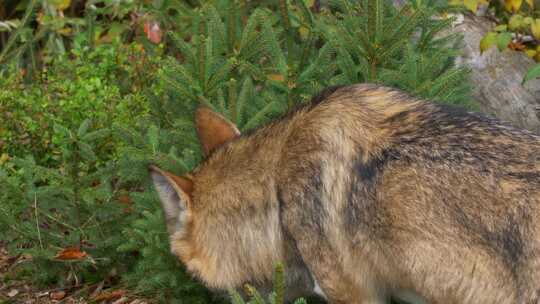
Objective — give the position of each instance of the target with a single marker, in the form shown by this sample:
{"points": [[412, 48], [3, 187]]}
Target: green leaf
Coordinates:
{"points": [[503, 39], [308, 16], [95, 135], [501, 28], [86, 151], [245, 96], [488, 41], [258, 117], [235, 297], [58, 128], [83, 128], [532, 73], [153, 137], [375, 20], [279, 284], [516, 22], [346, 65], [256, 297], [115, 30]]}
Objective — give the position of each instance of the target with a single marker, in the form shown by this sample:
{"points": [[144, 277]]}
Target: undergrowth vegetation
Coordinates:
{"points": [[517, 27], [92, 92]]}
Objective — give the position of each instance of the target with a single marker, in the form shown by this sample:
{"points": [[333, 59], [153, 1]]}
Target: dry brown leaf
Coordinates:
{"points": [[124, 199], [98, 289], [108, 296], [276, 77], [13, 293], [57, 295], [122, 300], [71, 253], [153, 31], [516, 46]]}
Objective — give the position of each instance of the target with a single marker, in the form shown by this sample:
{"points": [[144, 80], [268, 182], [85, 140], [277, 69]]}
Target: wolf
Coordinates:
{"points": [[367, 195]]}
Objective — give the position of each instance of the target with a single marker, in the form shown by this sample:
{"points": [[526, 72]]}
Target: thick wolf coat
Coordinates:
{"points": [[366, 195]]}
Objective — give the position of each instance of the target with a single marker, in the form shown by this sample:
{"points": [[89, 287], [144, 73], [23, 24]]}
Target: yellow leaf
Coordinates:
{"points": [[61, 4], [65, 31], [501, 28], [471, 5], [40, 18], [535, 28], [530, 53], [304, 32], [530, 3], [276, 77], [512, 5], [488, 41], [4, 158]]}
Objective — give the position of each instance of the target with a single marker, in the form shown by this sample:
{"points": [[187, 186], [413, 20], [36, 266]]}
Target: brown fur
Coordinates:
{"points": [[372, 195]]}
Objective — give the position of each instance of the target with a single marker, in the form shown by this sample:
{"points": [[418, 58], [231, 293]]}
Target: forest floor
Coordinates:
{"points": [[13, 291]]}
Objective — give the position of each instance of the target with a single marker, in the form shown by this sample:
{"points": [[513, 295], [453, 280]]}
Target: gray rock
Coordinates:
{"points": [[496, 77]]}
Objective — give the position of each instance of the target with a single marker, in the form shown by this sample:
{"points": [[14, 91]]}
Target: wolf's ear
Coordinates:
{"points": [[175, 194], [213, 129]]}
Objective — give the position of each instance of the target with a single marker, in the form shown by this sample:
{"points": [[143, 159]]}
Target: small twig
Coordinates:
{"points": [[18, 259], [65, 288], [37, 221], [57, 220], [76, 293], [522, 38], [88, 221]]}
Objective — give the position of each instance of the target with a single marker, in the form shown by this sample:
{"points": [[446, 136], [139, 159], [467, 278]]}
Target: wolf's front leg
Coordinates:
{"points": [[337, 277], [334, 282]]}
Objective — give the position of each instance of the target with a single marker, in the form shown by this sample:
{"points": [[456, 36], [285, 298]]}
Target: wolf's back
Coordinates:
{"points": [[387, 177]]}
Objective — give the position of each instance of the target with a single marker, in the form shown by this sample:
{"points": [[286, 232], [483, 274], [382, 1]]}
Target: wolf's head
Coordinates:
{"points": [[223, 218]]}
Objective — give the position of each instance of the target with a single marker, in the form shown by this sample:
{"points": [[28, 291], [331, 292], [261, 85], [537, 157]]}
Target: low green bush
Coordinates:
{"points": [[102, 85], [51, 214]]}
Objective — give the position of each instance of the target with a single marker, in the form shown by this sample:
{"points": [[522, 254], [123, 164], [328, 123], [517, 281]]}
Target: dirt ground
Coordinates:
{"points": [[15, 292]]}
